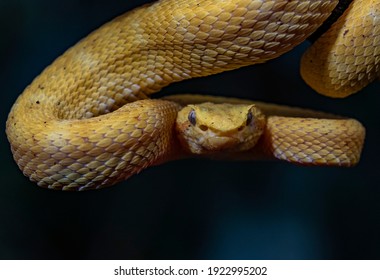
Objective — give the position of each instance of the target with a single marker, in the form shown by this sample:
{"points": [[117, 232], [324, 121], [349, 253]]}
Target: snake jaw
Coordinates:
{"points": [[220, 143], [208, 142]]}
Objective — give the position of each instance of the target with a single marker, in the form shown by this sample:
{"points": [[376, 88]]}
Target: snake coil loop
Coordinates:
{"points": [[85, 122]]}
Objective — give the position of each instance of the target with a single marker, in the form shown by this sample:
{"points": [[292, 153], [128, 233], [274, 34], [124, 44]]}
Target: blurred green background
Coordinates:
{"points": [[191, 209]]}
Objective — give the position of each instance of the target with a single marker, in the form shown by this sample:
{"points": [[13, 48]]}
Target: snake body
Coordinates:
{"points": [[346, 58], [86, 122]]}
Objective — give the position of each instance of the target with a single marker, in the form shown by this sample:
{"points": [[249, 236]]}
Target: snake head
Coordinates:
{"points": [[211, 128]]}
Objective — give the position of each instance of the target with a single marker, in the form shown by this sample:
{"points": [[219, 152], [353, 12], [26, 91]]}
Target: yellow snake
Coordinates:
{"points": [[85, 122]]}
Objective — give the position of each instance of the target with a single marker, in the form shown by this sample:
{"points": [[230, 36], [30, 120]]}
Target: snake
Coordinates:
{"points": [[88, 120]]}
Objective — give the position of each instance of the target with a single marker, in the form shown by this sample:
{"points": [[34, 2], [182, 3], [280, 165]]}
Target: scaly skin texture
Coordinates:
{"points": [[81, 124], [346, 58], [319, 142]]}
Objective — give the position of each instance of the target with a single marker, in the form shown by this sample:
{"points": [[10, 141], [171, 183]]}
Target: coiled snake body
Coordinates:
{"points": [[86, 122]]}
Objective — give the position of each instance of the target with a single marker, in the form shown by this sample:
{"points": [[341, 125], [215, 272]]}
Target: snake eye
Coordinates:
{"points": [[249, 117], [192, 117]]}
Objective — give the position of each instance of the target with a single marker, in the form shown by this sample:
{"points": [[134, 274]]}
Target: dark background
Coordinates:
{"points": [[193, 208]]}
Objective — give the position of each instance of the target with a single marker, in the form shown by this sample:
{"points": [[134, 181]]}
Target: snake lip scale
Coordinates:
{"points": [[87, 121]]}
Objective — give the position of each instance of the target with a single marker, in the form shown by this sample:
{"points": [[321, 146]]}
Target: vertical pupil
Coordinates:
{"points": [[191, 117], [249, 117]]}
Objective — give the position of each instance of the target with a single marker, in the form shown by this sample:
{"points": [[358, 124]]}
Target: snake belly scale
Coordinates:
{"points": [[86, 121]]}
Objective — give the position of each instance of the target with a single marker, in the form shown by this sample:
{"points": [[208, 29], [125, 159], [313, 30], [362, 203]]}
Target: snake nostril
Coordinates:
{"points": [[203, 127]]}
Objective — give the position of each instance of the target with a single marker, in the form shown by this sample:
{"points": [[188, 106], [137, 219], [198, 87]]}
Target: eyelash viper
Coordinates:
{"points": [[86, 121]]}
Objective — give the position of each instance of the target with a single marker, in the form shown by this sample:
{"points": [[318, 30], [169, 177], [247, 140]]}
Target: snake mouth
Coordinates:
{"points": [[209, 141], [219, 143], [206, 142]]}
